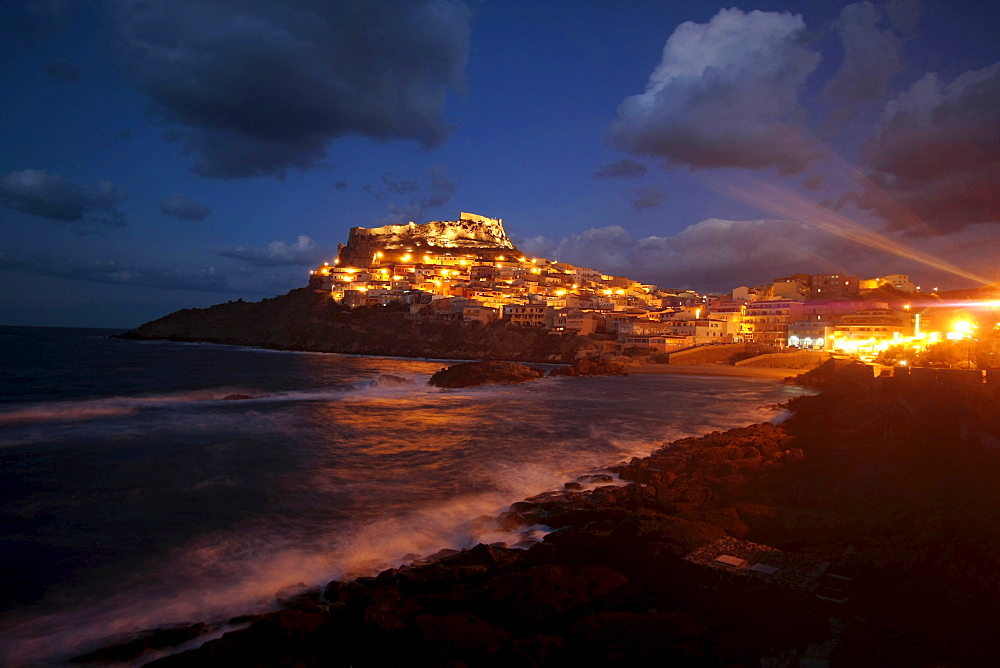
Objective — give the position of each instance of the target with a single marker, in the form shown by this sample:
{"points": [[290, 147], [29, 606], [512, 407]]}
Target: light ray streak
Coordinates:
{"points": [[787, 204]]}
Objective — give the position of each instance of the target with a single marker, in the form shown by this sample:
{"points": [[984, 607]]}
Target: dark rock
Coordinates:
{"points": [[470, 374], [388, 380], [593, 478], [541, 593], [460, 634], [144, 642], [299, 596], [625, 638]]}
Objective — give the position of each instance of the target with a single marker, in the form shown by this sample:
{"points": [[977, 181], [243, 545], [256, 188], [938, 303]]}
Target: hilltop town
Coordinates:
{"points": [[469, 271]]}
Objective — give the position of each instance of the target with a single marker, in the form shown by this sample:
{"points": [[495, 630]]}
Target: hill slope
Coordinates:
{"points": [[306, 319]]}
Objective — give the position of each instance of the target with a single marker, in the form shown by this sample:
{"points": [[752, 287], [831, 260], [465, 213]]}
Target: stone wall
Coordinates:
{"points": [[470, 233]]}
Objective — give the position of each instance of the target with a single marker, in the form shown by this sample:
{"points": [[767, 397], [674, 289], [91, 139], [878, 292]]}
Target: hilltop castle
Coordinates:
{"points": [[470, 235]]}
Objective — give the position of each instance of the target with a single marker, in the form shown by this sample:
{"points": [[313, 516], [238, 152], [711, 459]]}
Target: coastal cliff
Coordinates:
{"points": [[860, 531], [308, 320]]}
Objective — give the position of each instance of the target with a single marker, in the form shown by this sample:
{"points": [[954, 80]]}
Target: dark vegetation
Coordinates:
{"points": [[305, 319]]}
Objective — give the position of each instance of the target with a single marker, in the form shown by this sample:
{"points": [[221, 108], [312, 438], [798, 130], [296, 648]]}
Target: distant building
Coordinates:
{"points": [[528, 315], [833, 286], [767, 321], [899, 282]]}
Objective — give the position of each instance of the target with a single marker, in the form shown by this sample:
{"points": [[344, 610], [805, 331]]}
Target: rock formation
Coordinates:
{"points": [[470, 374]]}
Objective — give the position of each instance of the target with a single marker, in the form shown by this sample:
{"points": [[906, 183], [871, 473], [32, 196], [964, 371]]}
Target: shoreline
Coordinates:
{"points": [[850, 484], [717, 370]]}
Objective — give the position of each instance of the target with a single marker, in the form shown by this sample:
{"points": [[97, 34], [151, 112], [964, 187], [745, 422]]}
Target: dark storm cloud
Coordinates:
{"points": [[725, 94], [116, 273], [622, 168], [253, 89], [871, 57], [303, 253], [435, 189], [41, 193], [934, 159], [399, 187], [647, 198], [179, 206]]}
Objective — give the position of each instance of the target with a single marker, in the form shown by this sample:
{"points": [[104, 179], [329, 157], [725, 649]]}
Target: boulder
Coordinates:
{"points": [[471, 374], [388, 380], [545, 592]]}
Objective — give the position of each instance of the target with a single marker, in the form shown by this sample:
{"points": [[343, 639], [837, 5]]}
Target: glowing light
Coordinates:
{"points": [[407, 257], [962, 327], [781, 201]]}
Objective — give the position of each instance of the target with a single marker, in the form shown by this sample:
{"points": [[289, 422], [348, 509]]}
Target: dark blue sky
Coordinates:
{"points": [[160, 155]]}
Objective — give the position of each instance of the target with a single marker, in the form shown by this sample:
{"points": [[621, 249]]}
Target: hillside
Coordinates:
{"points": [[305, 319]]}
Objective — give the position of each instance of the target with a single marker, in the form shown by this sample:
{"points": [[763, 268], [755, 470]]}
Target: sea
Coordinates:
{"points": [[136, 492]]}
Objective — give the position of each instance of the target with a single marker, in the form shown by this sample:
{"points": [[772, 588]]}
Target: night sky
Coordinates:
{"points": [[166, 154]]}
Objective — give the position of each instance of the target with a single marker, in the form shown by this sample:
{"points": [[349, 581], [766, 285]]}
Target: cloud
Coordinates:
{"points": [[341, 185], [713, 255], [256, 89], [435, 189], [116, 273], [622, 168], [303, 253], [871, 58], [725, 94], [41, 193], [933, 161], [397, 187], [180, 207], [648, 198]]}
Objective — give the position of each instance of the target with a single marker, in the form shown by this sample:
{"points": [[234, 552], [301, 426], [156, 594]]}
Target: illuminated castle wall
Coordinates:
{"points": [[470, 234]]}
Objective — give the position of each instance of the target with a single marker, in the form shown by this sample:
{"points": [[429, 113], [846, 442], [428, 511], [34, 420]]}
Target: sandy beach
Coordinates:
{"points": [[716, 370]]}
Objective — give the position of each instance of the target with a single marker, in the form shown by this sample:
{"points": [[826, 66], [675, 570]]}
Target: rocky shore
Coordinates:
{"points": [[859, 531]]}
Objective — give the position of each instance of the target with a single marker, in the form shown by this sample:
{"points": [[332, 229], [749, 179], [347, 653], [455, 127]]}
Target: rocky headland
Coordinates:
{"points": [[309, 320], [870, 514]]}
